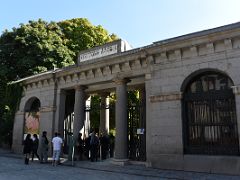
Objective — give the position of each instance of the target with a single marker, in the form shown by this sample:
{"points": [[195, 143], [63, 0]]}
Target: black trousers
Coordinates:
{"points": [[34, 152]]}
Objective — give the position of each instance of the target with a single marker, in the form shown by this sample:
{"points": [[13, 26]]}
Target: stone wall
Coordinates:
{"points": [[164, 68], [164, 120], [45, 93]]}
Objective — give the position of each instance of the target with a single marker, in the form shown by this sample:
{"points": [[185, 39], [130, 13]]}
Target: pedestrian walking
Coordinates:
{"points": [[80, 146], [104, 144], [111, 144], [71, 144], [94, 144], [87, 146], [35, 146], [44, 148], [57, 145], [27, 149]]}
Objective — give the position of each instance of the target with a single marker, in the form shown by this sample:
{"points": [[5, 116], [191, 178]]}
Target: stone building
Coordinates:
{"points": [[189, 89]]}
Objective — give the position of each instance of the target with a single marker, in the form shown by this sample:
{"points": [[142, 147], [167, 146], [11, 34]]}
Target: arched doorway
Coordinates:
{"points": [[32, 116], [209, 115]]}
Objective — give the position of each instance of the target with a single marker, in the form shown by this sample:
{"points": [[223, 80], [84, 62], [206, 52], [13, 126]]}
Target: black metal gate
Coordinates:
{"points": [[94, 113], [136, 133], [210, 123]]}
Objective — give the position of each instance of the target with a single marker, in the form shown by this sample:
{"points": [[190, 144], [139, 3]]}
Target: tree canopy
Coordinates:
{"points": [[81, 34], [40, 46]]}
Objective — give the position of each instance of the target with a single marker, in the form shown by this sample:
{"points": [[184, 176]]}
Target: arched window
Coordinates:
{"points": [[209, 116]]}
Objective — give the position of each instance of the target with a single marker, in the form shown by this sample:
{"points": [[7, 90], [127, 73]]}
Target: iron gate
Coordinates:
{"points": [[136, 133], [210, 123], [94, 115]]}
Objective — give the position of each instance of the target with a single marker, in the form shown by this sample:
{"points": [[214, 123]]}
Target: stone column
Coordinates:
{"points": [[104, 114], [60, 114], [121, 140], [79, 110]]}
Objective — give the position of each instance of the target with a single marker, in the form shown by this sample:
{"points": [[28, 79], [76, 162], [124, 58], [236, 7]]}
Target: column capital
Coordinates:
{"points": [[119, 80], [62, 91], [80, 87]]}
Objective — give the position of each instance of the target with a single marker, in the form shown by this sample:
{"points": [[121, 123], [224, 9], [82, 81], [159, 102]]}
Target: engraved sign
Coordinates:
{"points": [[107, 49], [97, 53]]}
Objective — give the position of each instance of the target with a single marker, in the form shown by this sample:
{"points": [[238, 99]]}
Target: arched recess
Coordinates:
{"points": [[32, 116], [209, 114]]}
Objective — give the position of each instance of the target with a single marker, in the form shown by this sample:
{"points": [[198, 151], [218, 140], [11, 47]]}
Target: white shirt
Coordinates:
{"points": [[57, 143]]}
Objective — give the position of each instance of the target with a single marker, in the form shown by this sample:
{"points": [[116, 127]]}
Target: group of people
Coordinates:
{"points": [[91, 147], [94, 147], [31, 145]]}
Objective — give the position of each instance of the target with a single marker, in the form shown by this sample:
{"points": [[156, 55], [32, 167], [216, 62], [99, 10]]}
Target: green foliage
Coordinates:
{"points": [[39, 46], [133, 97], [13, 94], [36, 47], [29, 48], [112, 117], [95, 112], [81, 34]]}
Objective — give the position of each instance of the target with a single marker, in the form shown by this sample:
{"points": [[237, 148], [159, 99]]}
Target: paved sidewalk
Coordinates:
{"points": [[9, 153], [137, 170], [141, 170]]}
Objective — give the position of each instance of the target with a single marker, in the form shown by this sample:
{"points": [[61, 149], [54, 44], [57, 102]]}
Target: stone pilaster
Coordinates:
{"points": [[142, 94], [79, 110], [236, 91]]}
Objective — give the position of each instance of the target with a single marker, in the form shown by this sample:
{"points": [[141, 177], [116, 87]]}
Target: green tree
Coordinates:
{"points": [[40, 46], [32, 48], [95, 112], [13, 92], [81, 34]]}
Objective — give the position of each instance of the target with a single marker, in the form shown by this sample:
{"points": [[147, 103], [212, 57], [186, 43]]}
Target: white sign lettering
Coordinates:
{"points": [[97, 53]]}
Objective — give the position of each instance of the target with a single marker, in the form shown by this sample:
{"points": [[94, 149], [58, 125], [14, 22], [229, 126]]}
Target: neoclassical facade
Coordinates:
{"points": [[190, 91]]}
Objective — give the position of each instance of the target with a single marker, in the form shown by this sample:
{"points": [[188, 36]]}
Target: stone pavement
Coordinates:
{"points": [[12, 167]]}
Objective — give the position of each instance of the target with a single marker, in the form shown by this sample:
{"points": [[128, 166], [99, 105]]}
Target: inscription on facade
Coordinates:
{"points": [[104, 50], [166, 97], [100, 52]]}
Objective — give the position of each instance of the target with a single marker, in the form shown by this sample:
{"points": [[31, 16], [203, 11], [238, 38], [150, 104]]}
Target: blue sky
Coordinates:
{"points": [[140, 22]]}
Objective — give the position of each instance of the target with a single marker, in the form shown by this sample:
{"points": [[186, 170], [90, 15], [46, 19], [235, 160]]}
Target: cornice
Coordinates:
{"points": [[140, 61]]}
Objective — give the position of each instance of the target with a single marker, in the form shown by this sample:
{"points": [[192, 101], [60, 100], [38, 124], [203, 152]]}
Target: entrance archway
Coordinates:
{"points": [[209, 115]]}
